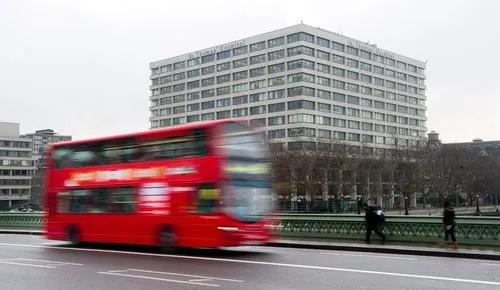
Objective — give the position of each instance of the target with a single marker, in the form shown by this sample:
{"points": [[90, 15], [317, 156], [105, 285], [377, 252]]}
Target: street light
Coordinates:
{"points": [[406, 205], [477, 205]]}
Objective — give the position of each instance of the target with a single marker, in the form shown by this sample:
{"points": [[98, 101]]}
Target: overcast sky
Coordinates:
{"points": [[82, 67]]}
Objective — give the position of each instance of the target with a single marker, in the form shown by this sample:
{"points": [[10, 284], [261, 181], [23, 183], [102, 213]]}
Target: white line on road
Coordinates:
{"points": [[491, 264], [46, 261], [199, 280], [261, 263], [187, 275], [370, 256], [29, 265], [159, 279]]}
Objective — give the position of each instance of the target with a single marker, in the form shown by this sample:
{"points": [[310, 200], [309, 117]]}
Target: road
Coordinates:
{"points": [[30, 262]]}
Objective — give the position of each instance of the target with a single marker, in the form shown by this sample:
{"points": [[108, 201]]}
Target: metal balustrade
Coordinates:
{"points": [[471, 230]]}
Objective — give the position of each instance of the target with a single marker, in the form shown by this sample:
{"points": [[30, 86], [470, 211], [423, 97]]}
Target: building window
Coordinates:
{"points": [[300, 63], [223, 54], [193, 118], [240, 88], [240, 63], [278, 94], [240, 75], [276, 55], [240, 112], [276, 68], [208, 117], [224, 66], [323, 55], [208, 82], [224, 115], [240, 100], [257, 110], [256, 72], [298, 50], [276, 134], [302, 104], [208, 58], [258, 123], [275, 121], [224, 78], [193, 73], [179, 65], [301, 36], [208, 70], [208, 105], [323, 68], [257, 46], [259, 84], [207, 93], [278, 81], [259, 97], [240, 50], [193, 62], [279, 107], [276, 42], [303, 131]]}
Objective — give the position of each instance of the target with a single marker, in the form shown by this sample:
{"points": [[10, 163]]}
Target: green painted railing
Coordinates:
{"points": [[410, 229]]}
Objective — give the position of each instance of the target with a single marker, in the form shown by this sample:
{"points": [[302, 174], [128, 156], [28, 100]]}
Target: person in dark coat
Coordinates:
{"points": [[449, 224], [374, 218]]}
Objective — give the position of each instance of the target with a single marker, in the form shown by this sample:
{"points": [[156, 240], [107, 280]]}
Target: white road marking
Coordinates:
{"points": [[262, 263], [159, 279], [52, 262], [186, 275], [491, 264], [29, 265], [370, 256], [199, 280]]}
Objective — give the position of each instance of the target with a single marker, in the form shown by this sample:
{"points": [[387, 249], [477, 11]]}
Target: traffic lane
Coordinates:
{"points": [[112, 271], [265, 274], [447, 267], [419, 265]]}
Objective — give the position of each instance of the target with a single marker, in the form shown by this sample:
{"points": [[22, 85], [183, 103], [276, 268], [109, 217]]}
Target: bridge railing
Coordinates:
{"points": [[411, 229], [471, 230]]}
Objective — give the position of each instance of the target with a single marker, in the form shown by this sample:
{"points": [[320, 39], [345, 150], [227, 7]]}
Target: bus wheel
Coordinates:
{"points": [[168, 240], [74, 236]]}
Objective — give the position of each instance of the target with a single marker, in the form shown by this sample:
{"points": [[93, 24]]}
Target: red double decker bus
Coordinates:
{"points": [[200, 185]]}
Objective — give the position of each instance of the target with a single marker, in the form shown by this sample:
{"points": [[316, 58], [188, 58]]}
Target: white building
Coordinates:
{"points": [[300, 84], [16, 166]]}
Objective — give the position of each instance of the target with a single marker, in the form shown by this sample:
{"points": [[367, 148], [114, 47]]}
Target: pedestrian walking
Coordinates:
{"points": [[449, 225], [374, 218]]}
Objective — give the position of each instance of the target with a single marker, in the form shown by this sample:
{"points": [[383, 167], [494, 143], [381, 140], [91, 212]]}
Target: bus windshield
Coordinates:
{"points": [[247, 194]]}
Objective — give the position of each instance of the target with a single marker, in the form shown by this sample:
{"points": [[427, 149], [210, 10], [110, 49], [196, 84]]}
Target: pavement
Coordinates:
{"points": [[31, 262]]}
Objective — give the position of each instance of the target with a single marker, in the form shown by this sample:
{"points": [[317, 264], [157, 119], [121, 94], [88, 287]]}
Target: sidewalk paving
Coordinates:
{"points": [[467, 252]]}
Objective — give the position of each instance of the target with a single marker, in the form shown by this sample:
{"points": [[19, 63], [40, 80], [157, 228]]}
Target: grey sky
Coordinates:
{"points": [[82, 67]]}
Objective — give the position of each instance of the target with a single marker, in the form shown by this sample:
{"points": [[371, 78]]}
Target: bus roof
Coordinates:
{"points": [[202, 124]]}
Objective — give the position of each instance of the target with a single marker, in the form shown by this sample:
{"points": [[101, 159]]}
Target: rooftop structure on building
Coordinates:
{"points": [[301, 85], [16, 166], [42, 138]]}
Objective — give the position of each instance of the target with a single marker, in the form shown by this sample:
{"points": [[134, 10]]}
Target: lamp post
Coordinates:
{"points": [[477, 205], [406, 205]]}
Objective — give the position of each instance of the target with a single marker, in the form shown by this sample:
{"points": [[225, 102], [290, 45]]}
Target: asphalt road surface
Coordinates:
{"points": [[31, 262]]}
